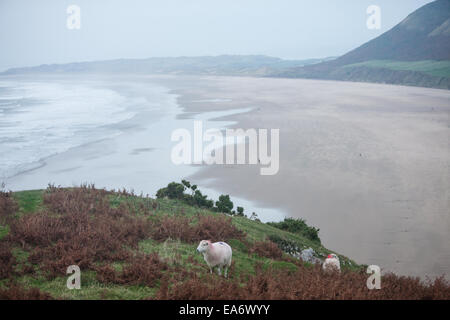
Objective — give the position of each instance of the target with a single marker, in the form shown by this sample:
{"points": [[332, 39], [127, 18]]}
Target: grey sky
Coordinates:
{"points": [[35, 32]]}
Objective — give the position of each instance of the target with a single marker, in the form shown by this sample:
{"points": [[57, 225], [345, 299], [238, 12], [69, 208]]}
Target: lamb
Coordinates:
{"points": [[332, 263], [217, 254]]}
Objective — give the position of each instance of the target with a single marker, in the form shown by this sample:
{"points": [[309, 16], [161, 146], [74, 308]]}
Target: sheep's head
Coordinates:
{"points": [[203, 246], [332, 256]]}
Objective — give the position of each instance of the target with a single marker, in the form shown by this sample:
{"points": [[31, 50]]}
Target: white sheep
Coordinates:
{"points": [[332, 263], [217, 254]]}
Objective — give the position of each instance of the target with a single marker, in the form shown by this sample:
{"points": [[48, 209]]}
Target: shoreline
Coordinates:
{"points": [[97, 161], [382, 200], [350, 163]]}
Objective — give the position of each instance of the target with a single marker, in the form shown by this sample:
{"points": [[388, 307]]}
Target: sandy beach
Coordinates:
{"points": [[368, 164]]}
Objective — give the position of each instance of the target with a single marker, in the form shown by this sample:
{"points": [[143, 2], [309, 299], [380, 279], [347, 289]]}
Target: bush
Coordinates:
{"points": [[306, 283], [266, 249], [201, 201], [173, 228], [298, 226], [198, 288], [217, 228], [18, 292], [142, 269], [78, 226], [172, 191], [224, 204], [208, 227], [288, 246], [7, 261], [176, 191], [8, 206]]}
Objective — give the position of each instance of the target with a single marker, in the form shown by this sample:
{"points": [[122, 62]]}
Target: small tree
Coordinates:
{"points": [[224, 204], [172, 191], [298, 226], [186, 183], [201, 200], [240, 211]]}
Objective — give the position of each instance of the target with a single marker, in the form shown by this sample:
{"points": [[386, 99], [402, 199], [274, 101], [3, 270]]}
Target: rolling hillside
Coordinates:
{"points": [[414, 52], [135, 247]]}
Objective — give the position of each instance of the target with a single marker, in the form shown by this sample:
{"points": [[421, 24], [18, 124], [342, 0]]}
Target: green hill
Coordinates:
{"points": [[429, 67], [415, 52], [135, 247]]}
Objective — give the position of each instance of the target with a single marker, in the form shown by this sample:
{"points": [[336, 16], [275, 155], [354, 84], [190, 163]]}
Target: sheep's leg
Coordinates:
{"points": [[226, 272], [210, 270], [219, 272]]}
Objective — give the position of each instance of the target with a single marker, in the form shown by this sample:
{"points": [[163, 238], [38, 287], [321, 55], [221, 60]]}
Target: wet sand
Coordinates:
{"points": [[366, 163]]}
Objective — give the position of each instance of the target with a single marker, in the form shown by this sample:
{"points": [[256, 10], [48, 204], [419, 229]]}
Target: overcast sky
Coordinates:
{"points": [[35, 32]]}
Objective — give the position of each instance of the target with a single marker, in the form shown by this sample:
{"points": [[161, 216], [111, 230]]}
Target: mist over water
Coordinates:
{"points": [[40, 119], [114, 132]]}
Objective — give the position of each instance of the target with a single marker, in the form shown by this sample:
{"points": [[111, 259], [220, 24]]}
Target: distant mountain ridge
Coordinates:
{"points": [[254, 65], [422, 36]]}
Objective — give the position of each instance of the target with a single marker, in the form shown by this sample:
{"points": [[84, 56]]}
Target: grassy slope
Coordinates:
{"points": [[31, 201], [431, 67]]}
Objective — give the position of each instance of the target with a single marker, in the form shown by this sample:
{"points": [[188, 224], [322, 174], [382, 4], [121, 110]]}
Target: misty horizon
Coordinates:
{"points": [[36, 33]]}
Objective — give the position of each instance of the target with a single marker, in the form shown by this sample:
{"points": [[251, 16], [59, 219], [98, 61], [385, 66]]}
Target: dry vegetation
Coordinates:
{"points": [[8, 206], [215, 228], [307, 283], [142, 269], [7, 261], [83, 226], [266, 249], [15, 291], [77, 227]]}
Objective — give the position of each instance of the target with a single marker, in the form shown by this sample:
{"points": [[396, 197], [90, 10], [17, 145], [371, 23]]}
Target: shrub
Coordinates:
{"points": [[288, 246], [215, 228], [224, 204], [304, 284], [266, 249], [297, 226], [18, 292], [8, 206], [142, 269], [200, 200], [172, 191], [176, 191], [78, 226], [7, 261], [198, 288], [173, 228]]}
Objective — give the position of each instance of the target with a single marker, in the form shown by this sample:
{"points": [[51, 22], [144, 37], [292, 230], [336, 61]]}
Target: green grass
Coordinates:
{"points": [[4, 230], [90, 288], [431, 67], [29, 201], [172, 251]]}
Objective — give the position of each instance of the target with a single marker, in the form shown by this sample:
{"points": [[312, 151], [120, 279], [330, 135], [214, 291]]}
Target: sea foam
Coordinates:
{"points": [[40, 119]]}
